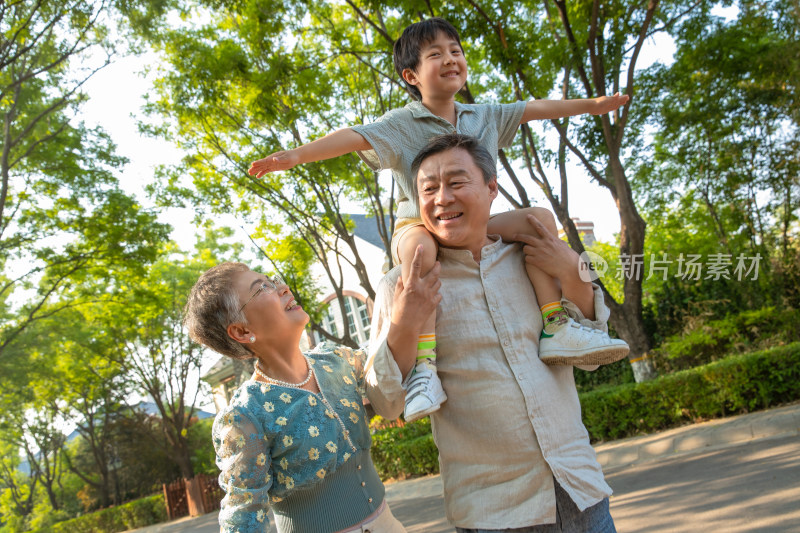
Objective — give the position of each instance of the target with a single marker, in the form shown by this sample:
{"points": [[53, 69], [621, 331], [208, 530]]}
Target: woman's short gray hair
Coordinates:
{"points": [[213, 305]]}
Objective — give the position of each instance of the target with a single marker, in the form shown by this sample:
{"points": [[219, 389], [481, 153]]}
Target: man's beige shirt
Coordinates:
{"points": [[510, 423]]}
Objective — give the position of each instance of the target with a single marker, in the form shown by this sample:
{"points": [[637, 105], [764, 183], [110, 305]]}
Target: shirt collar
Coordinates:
{"points": [[465, 256], [419, 111]]}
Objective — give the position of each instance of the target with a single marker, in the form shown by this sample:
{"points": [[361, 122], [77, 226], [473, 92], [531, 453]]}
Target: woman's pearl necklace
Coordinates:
{"points": [[284, 383]]}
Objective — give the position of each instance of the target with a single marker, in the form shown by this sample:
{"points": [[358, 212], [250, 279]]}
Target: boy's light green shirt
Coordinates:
{"points": [[399, 135]]}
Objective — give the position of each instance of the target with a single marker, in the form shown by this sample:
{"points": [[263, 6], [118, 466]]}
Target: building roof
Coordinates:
{"points": [[150, 408], [366, 227]]}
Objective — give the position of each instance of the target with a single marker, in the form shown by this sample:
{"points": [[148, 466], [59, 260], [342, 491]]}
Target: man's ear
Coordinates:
{"points": [[410, 76], [239, 333], [492, 189]]}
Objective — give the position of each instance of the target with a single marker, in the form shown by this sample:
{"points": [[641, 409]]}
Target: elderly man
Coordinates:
{"points": [[513, 451]]}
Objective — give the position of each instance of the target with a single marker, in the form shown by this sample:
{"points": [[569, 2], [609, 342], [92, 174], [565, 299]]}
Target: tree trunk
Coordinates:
{"points": [[627, 316]]}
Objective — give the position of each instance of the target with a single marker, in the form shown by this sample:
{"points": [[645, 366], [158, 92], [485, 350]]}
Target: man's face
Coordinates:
{"points": [[454, 200]]}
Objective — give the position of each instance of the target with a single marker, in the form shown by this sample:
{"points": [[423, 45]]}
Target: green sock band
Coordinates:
{"points": [[426, 348]]}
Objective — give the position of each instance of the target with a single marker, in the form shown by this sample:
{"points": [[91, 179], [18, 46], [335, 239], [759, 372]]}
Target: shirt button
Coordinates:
{"points": [[363, 483], [505, 343], [370, 500], [359, 467]]}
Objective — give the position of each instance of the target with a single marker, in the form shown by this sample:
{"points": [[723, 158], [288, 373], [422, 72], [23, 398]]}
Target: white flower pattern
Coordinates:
{"points": [[246, 431]]}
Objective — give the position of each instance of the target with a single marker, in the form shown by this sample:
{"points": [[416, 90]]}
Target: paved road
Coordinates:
{"points": [[740, 474], [746, 488]]}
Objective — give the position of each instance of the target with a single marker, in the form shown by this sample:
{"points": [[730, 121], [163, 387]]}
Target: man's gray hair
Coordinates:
{"points": [[213, 305], [480, 155]]}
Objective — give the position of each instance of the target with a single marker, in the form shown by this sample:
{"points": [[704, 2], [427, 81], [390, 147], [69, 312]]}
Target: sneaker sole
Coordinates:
{"points": [[612, 355], [421, 414], [425, 412]]}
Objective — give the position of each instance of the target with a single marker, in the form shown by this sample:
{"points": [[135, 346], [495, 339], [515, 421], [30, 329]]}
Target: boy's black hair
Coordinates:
{"points": [[407, 48]]}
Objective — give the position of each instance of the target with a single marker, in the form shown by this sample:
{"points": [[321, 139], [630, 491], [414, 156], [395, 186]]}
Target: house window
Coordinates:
{"points": [[356, 318], [329, 321]]}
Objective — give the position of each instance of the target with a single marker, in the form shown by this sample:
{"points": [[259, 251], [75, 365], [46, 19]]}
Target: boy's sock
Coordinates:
{"points": [[553, 315], [424, 393], [426, 349]]}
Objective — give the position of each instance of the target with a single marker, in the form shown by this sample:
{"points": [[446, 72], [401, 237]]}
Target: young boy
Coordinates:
{"points": [[429, 58]]}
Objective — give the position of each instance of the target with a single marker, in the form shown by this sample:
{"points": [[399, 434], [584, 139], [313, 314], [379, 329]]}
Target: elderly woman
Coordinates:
{"points": [[294, 437]]}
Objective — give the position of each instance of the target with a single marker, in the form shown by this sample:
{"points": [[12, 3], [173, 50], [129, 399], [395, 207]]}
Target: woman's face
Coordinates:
{"points": [[270, 312]]}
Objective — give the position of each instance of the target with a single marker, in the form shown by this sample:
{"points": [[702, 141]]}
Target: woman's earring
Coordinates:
{"points": [[252, 338]]}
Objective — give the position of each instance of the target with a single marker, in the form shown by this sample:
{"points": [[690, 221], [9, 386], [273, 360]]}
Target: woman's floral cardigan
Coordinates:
{"points": [[271, 440]]}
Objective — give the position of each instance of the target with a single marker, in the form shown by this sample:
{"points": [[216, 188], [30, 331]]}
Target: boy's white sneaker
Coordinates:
{"points": [[424, 393], [574, 344]]}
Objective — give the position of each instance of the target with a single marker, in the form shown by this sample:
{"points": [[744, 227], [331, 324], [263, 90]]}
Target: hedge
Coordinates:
{"points": [[406, 451], [705, 342], [132, 515], [736, 384]]}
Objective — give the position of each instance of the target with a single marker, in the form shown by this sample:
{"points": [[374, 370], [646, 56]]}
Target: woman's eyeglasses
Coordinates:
{"points": [[269, 285]]}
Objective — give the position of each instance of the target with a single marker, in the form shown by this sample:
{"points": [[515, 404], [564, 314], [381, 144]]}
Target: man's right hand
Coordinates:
{"points": [[416, 299], [283, 160], [413, 303]]}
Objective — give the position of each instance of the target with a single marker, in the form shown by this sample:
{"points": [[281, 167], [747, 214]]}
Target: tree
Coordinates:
{"points": [[229, 112], [722, 177], [155, 350], [61, 211], [258, 77], [91, 395]]}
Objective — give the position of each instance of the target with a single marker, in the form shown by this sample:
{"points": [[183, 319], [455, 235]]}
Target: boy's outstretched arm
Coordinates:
{"points": [[549, 109], [334, 144]]}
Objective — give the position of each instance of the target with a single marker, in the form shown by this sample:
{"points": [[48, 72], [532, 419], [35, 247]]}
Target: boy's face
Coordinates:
{"points": [[442, 69]]}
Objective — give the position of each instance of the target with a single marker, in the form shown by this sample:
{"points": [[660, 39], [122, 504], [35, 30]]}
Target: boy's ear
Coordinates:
{"points": [[410, 76]]}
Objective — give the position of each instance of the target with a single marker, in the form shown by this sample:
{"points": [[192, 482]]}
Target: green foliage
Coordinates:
{"points": [[736, 384], [44, 517], [704, 341], [721, 174], [132, 515], [607, 375], [406, 451], [203, 455], [63, 216]]}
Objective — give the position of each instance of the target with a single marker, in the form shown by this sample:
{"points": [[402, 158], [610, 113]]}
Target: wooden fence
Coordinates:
{"points": [[199, 495]]}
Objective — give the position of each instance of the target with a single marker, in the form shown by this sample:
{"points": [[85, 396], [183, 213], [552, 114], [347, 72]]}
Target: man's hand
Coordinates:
{"points": [[414, 301], [283, 160], [546, 252], [555, 258], [607, 104]]}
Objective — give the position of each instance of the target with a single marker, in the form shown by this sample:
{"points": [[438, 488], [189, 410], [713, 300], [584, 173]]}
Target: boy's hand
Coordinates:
{"points": [[607, 104], [283, 160]]}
